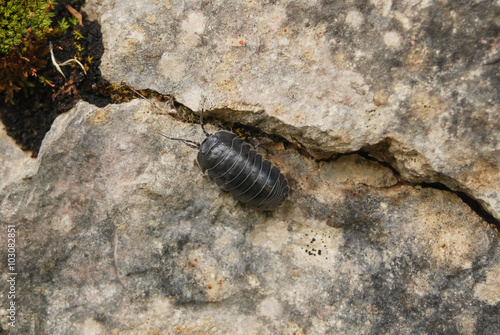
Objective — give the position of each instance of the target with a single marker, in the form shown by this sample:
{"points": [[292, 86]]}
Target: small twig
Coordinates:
{"points": [[58, 65], [54, 62], [139, 94], [74, 60], [76, 14]]}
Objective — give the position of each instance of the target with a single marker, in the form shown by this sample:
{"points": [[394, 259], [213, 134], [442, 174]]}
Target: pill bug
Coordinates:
{"points": [[239, 169]]}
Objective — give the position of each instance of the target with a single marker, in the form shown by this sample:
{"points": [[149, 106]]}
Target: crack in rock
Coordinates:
{"points": [[408, 165]]}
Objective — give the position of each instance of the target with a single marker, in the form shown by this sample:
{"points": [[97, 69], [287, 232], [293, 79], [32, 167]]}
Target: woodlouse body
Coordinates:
{"points": [[236, 167], [240, 170]]}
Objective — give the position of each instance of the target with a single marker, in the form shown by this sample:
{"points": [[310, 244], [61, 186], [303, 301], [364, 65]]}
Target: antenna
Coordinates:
{"points": [[201, 118], [189, 143]]}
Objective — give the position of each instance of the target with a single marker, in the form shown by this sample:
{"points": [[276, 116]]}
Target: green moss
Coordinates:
{"points": [[22, 18], [25, 28]]}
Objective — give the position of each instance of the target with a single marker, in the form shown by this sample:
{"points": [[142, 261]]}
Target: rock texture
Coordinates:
{"points": [[14, 162], [120, 233], [414, 83]]}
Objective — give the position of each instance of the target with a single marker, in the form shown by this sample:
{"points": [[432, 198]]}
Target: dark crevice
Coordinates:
{"points": [[251, 134], [367, 156], [380, 153], [474, 204], [183, 113], [469, 201], [30, 114]]}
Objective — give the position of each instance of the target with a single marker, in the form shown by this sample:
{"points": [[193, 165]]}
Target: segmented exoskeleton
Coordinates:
{"points": [[239, 169]]}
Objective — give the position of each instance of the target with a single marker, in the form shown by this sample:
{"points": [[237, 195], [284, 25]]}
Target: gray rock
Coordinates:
{"points": [[14, 162], [415, 83], [118, 232]]}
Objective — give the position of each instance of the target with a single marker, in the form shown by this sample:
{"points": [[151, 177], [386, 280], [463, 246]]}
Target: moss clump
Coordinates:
{"points": [[21, 18], [25, 28]]}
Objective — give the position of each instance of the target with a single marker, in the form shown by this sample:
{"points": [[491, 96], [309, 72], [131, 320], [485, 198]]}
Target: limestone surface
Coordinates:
{"points": [[414, 83], [119, 232], [389, 113], [14, 162]]}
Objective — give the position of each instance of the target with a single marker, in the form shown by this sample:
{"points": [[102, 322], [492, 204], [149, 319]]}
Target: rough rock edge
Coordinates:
{"points": [[256, 117], [15, 160], [378, 152]]}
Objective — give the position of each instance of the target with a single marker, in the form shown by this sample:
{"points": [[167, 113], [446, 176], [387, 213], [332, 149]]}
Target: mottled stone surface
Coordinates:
{"points": [[118, 232], [415, 83], [14, 162]]}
